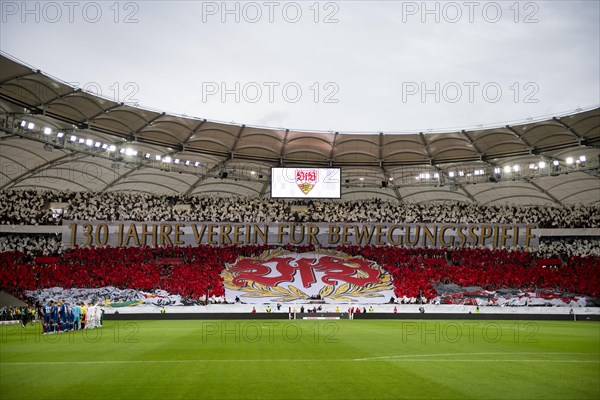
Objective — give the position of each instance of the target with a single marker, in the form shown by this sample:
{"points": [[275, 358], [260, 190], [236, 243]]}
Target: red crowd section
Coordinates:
{"points": [[192, 271]]}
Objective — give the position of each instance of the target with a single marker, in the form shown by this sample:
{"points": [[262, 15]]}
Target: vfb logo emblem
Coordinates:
{"points": [[306, 179]]}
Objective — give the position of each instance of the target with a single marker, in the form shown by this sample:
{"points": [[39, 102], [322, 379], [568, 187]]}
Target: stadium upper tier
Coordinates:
{"points": [[31, 207], [56, 136]]}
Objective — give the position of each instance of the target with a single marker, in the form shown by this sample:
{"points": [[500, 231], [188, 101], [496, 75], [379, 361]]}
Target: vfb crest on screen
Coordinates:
{"points": [[306, 179]]}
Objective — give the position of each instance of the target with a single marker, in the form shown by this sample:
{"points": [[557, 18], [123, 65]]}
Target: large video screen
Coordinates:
{"points": [[306, 183]]}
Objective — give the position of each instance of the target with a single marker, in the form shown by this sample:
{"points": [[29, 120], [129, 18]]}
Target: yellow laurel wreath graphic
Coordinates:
{"points": [[342, 292]]}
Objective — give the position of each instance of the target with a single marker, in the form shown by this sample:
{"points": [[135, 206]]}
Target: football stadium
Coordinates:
{"points": [[146, 254]]}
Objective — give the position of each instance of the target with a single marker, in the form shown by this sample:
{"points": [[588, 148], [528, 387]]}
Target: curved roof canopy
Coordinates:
{"points": [[58, 137]]}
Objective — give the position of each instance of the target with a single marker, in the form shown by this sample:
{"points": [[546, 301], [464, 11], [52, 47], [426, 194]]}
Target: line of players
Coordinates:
{"points": [[62, 317]]}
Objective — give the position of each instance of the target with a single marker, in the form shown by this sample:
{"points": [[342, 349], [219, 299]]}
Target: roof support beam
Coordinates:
{"points": [[569, 129], [120, 178], [59, 97], [105, 111], [521, 138], [426, 147], [333, 144], [52, 163], [475, 146], [193, 132], [237, 140], [202, 178], [285, 141], [469, 195], [17, 77], [544, 191], [386, 175]]}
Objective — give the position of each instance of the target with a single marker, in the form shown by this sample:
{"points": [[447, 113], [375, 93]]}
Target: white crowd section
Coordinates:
{"points": [[31, 207]]}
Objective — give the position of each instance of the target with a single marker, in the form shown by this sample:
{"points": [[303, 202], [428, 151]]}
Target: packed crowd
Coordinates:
{"points": [[50, 245], [571, 266], [414, 271], [30, 207], [24, 314]]}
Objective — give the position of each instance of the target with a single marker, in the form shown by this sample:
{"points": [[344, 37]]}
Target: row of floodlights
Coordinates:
{"points": [[167, 159], [497, 170], [110, 147]]}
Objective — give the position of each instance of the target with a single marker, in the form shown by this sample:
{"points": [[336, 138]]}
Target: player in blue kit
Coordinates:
{"points": [[63, 312], [47, 315], [70, 317], [54, 319]]}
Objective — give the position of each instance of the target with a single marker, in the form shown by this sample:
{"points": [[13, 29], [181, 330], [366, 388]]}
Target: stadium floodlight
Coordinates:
{"points": [[361, 179], [507, 169], [122, 150], [30, 126], [187, 162], [73, 138], [23, 123], [60, 135], [157, 157], [582, 158], [391, 178], [542, 164], [555, 163], [516, 168], [104, 146], [167, 159], [112, 147], [89, 142], [197, 164], [569, 160], [131, 152], [177, 161], [252, 172], [451, 174], [81, 140], [461, 173], [497, 170], [47, 131], [147, 155], [97, 144]]}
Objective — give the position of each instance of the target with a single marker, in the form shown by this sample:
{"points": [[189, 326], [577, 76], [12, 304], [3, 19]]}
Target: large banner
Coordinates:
{"points": [[282, 276], [132, 233]]}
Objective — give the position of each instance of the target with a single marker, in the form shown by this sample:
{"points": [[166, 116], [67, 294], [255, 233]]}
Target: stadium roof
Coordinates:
{"points": [[58, 137]]}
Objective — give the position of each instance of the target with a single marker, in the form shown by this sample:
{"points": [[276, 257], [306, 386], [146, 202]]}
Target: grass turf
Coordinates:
{"points": [[358, 359]]}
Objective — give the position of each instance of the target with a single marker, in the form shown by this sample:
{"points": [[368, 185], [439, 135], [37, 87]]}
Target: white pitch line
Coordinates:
{"points": [[415, 358], [383, 358]]}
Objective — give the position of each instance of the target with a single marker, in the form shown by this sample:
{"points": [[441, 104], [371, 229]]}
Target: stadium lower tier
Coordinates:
{"points": [[459, 276]]}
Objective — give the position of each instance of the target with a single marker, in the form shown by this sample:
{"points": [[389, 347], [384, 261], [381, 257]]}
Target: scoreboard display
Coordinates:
{"points": [[306, 183]]}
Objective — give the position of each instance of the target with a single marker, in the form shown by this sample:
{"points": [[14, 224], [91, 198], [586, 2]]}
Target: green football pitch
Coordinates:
{"points": [[304, 359]]}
